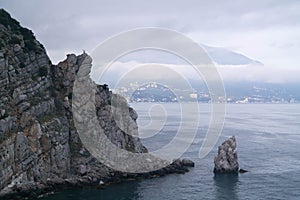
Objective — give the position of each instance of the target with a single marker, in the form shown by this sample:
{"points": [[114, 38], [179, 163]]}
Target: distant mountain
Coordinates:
{"points": [[224, 56], [221, 56]]}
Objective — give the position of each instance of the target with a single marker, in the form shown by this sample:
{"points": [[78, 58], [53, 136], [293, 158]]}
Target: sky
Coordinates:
{"points": [[267, 31]]}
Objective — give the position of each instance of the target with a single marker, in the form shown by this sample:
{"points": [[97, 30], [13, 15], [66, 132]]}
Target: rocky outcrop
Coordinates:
{"points": [[39, 145], [227, 160], [188, 163]]}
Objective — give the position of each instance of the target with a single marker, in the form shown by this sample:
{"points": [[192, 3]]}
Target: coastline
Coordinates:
{"points": [[38, 190]]}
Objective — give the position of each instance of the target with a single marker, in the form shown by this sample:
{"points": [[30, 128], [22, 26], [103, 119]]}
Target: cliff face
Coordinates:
{"points": [[38, 141]]}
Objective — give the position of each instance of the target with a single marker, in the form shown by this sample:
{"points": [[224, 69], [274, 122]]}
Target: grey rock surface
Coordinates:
{"points": [[39, 144], [227, 160], [38, 141]]}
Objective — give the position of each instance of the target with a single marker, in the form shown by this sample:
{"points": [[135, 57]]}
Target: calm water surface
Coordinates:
{"points": [[268, 137]]}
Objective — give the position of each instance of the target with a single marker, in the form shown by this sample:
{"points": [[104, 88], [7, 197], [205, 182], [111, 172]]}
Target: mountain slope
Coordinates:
{"points": [[218, 55], [224, 56]]}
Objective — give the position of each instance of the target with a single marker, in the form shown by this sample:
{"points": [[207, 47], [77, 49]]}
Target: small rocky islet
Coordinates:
{"points": [[226, 160]]}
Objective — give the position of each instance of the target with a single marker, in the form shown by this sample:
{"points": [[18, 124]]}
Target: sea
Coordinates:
{"points": [[268, 141]]}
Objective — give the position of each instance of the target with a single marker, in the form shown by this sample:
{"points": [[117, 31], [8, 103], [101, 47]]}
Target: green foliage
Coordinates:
{"points": [[129, 148], [4, 116], [30, 45], [27, 34], [47, 118], [15, 26], [1, 45], [5, 135], [11, 92], [43, 71], [34, 101], [76, 147], [70, 96], [7, 21], [14, 40], [34, 78], [22, 65], [29, 39], [52, 91], [58, 105]]}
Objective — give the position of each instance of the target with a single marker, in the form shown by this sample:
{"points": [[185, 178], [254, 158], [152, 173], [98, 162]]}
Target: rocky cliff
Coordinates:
{"points": [[39, 145]]}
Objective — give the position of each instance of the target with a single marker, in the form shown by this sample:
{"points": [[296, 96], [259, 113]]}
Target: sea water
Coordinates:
{"points": [[268, 139]]}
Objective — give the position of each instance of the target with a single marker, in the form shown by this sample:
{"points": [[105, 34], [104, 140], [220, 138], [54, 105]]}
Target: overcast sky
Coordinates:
{"points": [[267, 30]]}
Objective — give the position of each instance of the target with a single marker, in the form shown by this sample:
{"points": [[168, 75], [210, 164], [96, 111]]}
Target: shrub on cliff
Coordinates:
{"points": [[43, 71]]}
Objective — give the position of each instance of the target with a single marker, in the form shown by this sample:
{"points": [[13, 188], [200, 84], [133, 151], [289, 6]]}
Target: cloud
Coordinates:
{"points": [[267, 31], [274, 47], [131, 72], [259, 73]]}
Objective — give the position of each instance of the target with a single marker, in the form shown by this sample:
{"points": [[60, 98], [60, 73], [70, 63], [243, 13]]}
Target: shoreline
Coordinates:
{"points": [[38, 190]]}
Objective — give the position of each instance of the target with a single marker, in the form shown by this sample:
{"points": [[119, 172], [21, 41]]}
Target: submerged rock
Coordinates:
{"points": [[227, 160], [242, 171]]}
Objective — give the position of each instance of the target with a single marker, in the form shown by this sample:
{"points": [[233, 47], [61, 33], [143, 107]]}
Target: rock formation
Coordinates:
{"points": [[188, 163], [227, 160], [39, 145]]}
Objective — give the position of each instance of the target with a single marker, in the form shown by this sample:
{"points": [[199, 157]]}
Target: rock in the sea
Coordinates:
{"points": [[187, 162], [227, 160], [242, 171]]}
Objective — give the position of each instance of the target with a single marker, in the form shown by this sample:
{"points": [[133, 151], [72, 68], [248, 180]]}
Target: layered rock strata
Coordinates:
{"points": [[39, 145]]}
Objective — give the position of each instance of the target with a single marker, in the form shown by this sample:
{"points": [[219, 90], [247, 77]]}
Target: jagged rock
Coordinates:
{"points": [[227, 160], [39, 144]]}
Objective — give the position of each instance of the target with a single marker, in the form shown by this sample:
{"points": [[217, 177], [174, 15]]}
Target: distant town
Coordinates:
{"points": [[153, 92]]}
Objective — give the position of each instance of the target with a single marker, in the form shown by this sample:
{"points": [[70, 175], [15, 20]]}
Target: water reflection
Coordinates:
{"points": [[226, 186]]}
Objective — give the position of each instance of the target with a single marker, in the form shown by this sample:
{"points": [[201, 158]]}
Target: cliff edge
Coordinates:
{"points": [[39, 145], [40, 148]]}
